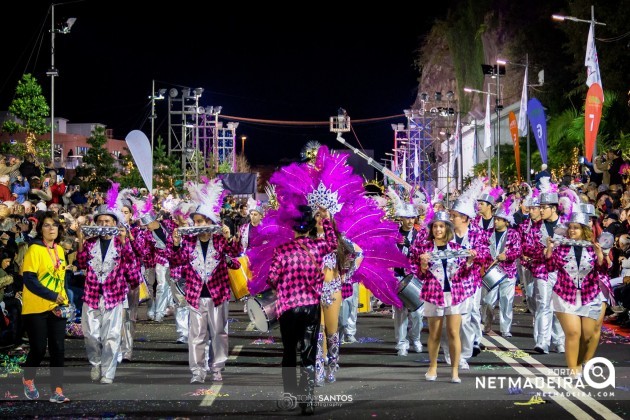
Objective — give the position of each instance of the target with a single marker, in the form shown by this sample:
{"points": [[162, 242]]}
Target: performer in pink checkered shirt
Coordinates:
{"points": [[446, 289], [296, 274], [504, 249], [111, 270], [578, 297], [469, 236], [204, 260], [547, 329]]}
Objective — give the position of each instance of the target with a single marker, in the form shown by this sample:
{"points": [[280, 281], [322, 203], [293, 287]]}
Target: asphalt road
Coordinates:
{"points": [[373, 381]]}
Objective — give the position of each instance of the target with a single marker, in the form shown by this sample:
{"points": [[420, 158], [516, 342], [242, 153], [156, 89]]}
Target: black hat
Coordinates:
{"points": [[306, 221], [613, 216]]}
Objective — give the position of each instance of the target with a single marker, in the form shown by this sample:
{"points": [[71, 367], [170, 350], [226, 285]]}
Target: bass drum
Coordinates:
{"points": [[239, 278], [143, 291], [262, 310]]}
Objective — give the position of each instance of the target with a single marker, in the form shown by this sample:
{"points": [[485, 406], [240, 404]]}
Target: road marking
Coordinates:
{"points": [[208, 400], [565, 403]]}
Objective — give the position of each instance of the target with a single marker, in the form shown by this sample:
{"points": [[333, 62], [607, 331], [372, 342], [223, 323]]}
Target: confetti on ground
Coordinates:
{"points": [[610, 336], [518, 354], [369, 340], [490, 367], [261, 341], [206, 391], [536, 399], [230, 320], [141, 339], [10, 396]]}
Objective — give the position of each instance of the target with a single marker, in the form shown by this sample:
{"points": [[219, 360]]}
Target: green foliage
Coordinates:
{"points": [[29, 105], [463, 32], [130, 175], [99, 161], [30, 108], [166, 169]]}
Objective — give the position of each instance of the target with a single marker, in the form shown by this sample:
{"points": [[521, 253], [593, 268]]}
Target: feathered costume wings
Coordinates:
{"points": [[358, 218]]}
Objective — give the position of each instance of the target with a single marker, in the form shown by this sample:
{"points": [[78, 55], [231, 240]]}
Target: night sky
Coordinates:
{"points": [[261, 61]]}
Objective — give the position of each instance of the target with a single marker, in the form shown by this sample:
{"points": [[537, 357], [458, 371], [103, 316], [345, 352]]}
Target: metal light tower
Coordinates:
{"points": [[154, 97], [52, 72]]}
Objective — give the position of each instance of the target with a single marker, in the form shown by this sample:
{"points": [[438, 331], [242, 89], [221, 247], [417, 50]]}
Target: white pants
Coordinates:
{"points": [[349, 312], [102, 335], [402, 318], [547, 328], [470, 332], [207, 325], [129, 324], [504, 294], [158, 304]]}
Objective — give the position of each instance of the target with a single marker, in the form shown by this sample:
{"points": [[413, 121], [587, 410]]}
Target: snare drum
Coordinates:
{"points": [[493, 277], [262, 310], [409, 290], [239, 278], [178, 289]]}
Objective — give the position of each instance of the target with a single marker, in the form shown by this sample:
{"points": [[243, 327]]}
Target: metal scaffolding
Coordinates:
{"points": [[196, 135], [422, 152]]}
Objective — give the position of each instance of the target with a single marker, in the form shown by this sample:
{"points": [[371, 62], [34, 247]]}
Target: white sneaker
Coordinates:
{"points": [[95, 373], [402, 352], [463, 365], [417, 347], [197, 379], [349, 339], [106, 381]]}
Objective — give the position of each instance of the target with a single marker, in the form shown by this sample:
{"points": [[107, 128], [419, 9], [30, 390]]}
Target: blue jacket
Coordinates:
{"points": [[21, 191]]}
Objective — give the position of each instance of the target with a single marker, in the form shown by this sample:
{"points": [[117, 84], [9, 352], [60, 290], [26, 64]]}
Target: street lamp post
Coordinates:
{"points": [[52, 72], [153, 98], [243, 138]]}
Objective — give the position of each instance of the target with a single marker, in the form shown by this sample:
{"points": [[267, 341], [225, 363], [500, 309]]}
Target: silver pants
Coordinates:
{"points": [[470, 331], [527, 282], [181, 322], [158, 304], [547, 329], [349, 312], [402, 317], [208, 325], [102, 335], [504, 294], [129, 324]]}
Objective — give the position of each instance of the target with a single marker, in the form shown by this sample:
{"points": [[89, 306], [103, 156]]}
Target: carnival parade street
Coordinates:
{"points": [[372, 382]]}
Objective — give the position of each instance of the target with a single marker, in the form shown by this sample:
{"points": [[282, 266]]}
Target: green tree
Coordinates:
{"points": [[30, 109], [99, 161], [166, 169], [130, 175]]}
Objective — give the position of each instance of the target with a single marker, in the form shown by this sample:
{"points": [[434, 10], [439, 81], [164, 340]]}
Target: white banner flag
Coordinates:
{"points": [[487, 128], [456, 139], [140, 148], [522, 113], [403, 171], [415, 162], [591, 62]]}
